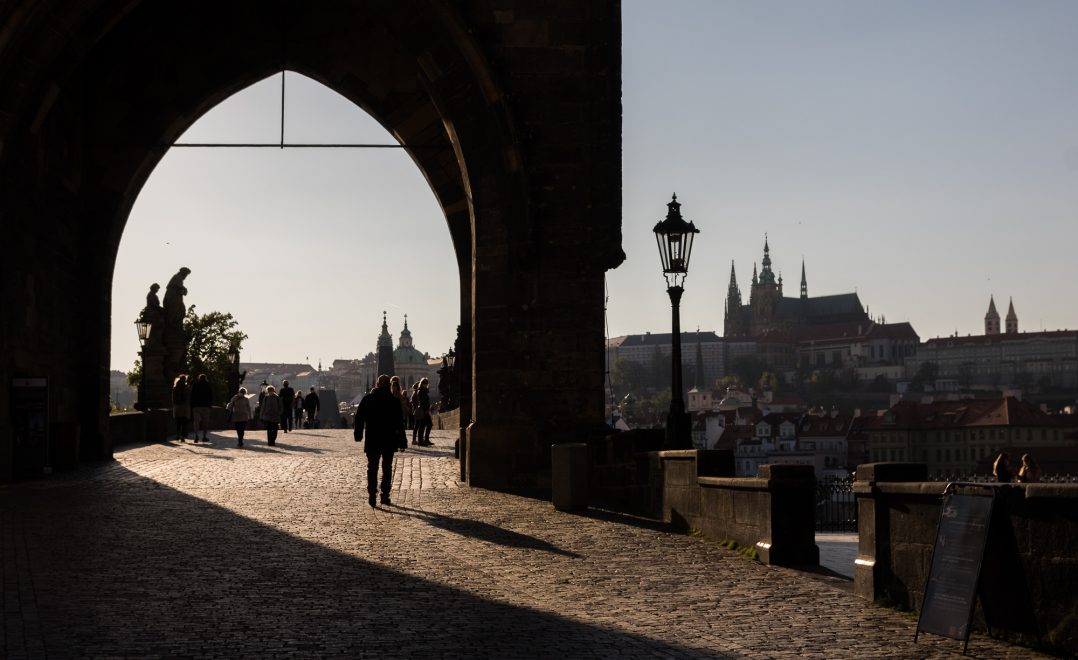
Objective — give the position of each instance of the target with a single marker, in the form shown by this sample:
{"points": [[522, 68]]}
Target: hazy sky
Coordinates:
{"points": [[924, 154]]}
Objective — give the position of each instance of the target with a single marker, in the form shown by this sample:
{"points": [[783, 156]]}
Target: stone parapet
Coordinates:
{"points": [[1031, 556], [772, 512]]}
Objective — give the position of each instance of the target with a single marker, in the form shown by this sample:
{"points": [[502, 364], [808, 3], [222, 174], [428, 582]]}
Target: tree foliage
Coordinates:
{"points": [[211, 335]]}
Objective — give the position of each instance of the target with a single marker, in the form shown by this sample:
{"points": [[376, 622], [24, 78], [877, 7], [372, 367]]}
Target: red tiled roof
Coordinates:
{"points": [[1007, 411], [995, 339], [824, 425]]}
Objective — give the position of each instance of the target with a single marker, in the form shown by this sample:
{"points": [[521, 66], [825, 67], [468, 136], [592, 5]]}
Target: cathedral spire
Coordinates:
{"points": [[991, 319], [1012, 319], [804, 282], [755, 280], [766, 274]]}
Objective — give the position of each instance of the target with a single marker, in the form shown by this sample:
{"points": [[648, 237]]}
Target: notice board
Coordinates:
{"points": [[30, 422], [953, 578]]}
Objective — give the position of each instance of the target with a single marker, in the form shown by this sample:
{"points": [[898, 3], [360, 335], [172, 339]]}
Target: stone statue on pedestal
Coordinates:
{"points": [[174, 338]]}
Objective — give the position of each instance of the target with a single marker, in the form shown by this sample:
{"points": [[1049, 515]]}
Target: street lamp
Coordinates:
{"points": [[674, 237], [450, 362], [142, 326]]}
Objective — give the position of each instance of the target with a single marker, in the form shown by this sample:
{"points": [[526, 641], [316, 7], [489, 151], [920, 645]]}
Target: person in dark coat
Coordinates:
{"points": [[201, 402], [379, 415], [311, 405], [287, 395]]}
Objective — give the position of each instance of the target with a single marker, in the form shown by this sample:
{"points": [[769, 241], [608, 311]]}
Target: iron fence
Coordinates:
{"points": [[836, 507], [988, 478]]}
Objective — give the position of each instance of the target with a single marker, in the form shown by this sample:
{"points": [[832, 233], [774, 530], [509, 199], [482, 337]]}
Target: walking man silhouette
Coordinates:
{"points": [[379, 414]]}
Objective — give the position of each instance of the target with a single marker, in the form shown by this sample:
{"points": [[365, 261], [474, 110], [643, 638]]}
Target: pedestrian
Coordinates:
{"points": [[397, 391], [1002, 468], [1030, 472], [311, 405], [201, 402], [423, 420], [271, 414], [181, 405], [413, 401], [379, 415], [297, 411], [239, 410], [287, 395]]}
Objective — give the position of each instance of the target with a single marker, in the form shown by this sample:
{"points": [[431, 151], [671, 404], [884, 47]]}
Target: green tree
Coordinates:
{"points": [[212, 334], [926, 374], [627, 376], [748, 369]]}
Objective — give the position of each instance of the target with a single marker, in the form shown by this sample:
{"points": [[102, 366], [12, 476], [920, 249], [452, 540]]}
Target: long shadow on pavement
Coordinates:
{"points": [[481, 531], [146, 570]]}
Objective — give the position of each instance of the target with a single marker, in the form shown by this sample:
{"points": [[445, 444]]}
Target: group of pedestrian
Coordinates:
{"points": [[415, 408], [1028, 473], [277, 410], [192, 402]]}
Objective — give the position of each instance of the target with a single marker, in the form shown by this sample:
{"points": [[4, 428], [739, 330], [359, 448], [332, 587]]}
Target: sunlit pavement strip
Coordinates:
{"points": [[219, 552]]}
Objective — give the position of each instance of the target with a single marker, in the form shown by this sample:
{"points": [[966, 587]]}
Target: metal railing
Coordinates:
{"points": [[988, 478], [836, 507]]}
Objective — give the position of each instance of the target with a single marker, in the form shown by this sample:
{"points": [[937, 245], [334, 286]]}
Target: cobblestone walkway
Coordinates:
{"points": [[180, 550]]}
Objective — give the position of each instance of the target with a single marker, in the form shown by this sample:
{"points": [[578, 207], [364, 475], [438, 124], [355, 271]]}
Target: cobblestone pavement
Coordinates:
{"points": [[212, 551]]}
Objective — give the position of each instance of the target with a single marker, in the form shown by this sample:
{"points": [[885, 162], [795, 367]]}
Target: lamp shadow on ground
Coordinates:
{"points": [[122, 565], [481, 531]]}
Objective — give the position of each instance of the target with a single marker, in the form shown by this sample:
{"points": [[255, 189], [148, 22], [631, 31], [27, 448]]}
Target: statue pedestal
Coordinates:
{"points": [[155, 386]]}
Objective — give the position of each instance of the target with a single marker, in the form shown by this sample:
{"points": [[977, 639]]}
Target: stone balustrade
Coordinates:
{"points": [[1031, 556]]}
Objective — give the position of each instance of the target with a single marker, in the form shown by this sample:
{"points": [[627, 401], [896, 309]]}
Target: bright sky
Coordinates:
{"points": [[924, 154]]}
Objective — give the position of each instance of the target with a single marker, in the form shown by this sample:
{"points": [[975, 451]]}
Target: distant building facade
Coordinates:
{"points": [[1003, 359], [952, 437]]}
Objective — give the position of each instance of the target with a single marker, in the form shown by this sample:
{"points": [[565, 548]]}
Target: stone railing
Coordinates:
{"points": [[129, 428], [771, 513], [1031, 556], [446, 421]]}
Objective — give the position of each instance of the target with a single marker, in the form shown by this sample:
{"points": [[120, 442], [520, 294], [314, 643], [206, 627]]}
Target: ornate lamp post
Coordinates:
{"points": [[674, 237], [450, 361], [142, 326]]}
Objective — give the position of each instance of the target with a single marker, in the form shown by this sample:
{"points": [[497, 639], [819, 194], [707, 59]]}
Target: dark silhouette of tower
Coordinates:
{"points": [[991, 319], [385, 350], [1012, 319]]}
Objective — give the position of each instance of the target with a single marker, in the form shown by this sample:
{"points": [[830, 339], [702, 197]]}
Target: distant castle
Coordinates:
{"points": [[768, 312]]}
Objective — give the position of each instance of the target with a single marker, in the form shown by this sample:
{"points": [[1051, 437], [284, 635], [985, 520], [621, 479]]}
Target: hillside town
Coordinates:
{"points": [[818, 381]]}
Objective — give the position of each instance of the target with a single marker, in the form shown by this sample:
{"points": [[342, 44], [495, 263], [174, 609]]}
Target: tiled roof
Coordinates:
{"points": [[275, 367], [824, 425], [1007, 411], [892, 331], [1003, 337], [662, 339]]}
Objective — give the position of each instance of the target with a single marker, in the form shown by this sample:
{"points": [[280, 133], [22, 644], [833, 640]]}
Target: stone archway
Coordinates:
{"points": [[512, 115]]}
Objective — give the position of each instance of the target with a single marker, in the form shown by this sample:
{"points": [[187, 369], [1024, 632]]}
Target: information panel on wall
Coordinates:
{"points": [[30, 423], [951, 591]]}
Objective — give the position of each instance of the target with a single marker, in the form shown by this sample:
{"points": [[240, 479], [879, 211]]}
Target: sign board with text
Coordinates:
{"points": [[954, 576]]}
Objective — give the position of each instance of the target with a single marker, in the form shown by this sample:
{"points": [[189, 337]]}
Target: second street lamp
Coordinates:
{"points": [[674, 236]]}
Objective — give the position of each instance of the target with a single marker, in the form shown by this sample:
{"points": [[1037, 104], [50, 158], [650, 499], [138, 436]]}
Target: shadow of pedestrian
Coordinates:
{"points": [[195, 578], [481, 531]]}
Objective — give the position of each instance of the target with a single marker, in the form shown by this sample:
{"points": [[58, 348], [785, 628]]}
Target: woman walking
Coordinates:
{"points": [[271, 414], [239, 409], [181, 405], [423, 421]]}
